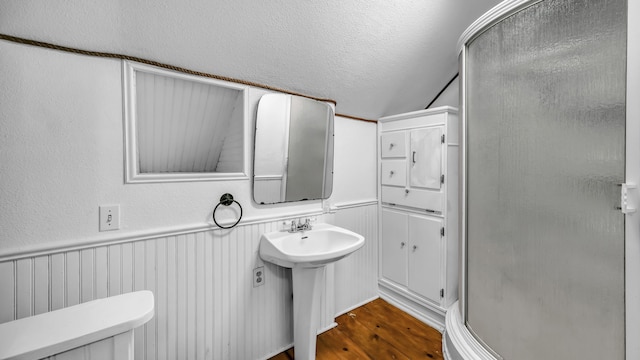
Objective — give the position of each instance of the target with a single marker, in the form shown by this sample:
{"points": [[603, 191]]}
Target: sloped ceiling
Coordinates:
{"points": [[375, 58]]}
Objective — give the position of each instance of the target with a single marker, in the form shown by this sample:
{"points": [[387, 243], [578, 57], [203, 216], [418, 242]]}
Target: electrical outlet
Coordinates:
{"points": [[258, 276], [109, 217]]}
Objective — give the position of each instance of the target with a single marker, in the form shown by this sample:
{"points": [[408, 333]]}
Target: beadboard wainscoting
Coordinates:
{"points": [[356, 277], [206, 305]]}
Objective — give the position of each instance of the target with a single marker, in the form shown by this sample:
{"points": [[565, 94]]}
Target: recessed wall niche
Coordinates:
{"points": [[181, 127]]}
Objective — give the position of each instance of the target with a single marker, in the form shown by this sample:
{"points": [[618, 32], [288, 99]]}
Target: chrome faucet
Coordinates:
{"points": [[299, 226], [306, 225]]}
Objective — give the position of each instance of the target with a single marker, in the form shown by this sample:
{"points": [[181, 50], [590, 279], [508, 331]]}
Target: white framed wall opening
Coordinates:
{"points": [[181, 127]]}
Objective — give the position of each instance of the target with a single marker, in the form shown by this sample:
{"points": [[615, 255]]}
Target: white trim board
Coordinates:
{"points": [[110, 239]]}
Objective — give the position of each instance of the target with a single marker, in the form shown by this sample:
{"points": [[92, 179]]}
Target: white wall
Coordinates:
{"points": [[450, 96], [61, 157], [62, 151], [354, 179]]}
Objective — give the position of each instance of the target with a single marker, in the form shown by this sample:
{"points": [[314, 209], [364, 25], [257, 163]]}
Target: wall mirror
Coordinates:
{"points": [[293, 149]]}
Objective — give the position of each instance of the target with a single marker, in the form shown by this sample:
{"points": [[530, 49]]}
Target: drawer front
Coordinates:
{"points": [[393, 144], [393, 172], [420, 199]]}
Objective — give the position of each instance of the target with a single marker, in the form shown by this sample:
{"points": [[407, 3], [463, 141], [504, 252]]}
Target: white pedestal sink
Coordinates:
{"points": [[307, 253]]}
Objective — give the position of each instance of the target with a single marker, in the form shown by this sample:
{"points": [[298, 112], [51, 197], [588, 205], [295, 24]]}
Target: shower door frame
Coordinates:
{"points": [[632, 165]]}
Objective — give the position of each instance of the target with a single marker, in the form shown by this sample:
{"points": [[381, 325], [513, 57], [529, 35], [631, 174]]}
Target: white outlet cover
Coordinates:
{"points": [[258, 276]]}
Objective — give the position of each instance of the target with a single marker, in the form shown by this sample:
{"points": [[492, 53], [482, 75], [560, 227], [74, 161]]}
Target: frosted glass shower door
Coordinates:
{"points": [[545, 118]]}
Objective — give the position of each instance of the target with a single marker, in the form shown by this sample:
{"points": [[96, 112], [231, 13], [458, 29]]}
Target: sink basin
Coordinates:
{"points": [[322, 245]]}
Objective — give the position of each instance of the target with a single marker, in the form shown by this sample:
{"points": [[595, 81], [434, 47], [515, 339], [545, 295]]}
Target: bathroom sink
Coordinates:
{"points": [[317, 247], [306, 252]]}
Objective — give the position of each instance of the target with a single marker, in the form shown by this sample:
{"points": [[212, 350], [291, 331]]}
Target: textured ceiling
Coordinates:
{"points": [[375, 58]]}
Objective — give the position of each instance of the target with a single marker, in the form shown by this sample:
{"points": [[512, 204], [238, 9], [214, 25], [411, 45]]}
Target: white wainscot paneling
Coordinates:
{"points": [[356, 276], [112, 348], [206, 305]]}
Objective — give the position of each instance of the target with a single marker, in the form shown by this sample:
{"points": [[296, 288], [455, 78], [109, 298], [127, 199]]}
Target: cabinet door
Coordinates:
{"points": [[426, 157], [425, 267], [394, 246]]}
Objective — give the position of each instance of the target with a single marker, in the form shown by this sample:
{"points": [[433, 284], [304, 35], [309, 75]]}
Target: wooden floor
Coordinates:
{"points": [[376, 330]]}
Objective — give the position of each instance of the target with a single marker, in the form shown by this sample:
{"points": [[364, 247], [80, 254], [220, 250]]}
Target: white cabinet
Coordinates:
{"points": [[418, 157], [409, 177], [411, 251]]}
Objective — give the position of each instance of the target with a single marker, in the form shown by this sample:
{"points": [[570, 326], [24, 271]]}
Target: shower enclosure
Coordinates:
{"points": [[550, 260]]}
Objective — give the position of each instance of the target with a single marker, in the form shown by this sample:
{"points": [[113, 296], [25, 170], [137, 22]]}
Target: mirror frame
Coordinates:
{"points": [[273, 178]]}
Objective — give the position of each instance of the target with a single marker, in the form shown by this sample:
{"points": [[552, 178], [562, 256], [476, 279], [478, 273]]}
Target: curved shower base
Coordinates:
{"points": [[457, 341]]}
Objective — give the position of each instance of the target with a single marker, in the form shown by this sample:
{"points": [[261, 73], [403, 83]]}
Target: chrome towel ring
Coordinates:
{"points": [[226, 200]]}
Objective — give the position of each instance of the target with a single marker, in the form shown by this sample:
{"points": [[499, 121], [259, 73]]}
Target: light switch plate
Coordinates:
{"points": [[109, 217]]}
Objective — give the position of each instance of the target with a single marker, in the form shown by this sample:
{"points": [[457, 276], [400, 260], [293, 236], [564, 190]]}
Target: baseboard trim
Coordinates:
{"points": [[342, 312], [327, 328], [431, 316]]}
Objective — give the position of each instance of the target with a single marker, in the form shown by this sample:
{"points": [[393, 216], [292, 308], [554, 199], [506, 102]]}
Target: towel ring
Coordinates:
{"points": [[226, 200]]}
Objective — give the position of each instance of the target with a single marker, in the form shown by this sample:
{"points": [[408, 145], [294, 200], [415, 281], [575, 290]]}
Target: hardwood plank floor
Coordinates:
{"points": [[376, 330]]}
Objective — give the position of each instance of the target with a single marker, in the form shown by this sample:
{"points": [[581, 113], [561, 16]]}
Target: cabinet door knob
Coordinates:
{"points": [[402, 244], [413, 157], [406, 191], [415, 247], [391, 145], [391, 173]]}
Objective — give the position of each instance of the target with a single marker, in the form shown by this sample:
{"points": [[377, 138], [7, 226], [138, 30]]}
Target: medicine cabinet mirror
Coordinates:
{"points": [[293, 149], [182, 127]]}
